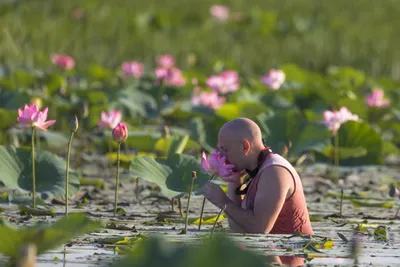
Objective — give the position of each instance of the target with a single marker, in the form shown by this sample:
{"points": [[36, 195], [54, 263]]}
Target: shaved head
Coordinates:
{"points": [[242, 128], [241, 141]]}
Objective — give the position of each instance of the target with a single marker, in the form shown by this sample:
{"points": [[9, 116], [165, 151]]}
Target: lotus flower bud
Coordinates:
{"points": [[73, 124], [120, 133]]}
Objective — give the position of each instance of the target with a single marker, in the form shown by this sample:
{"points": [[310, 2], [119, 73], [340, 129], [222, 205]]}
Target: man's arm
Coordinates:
{"points": [[237, 199], [272, 190]]}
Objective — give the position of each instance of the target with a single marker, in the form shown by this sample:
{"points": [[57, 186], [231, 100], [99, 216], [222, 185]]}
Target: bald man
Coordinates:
{"points": [[271, 200]]}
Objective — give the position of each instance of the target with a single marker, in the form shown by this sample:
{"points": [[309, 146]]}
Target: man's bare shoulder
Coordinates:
{"points": [[276, 177]]}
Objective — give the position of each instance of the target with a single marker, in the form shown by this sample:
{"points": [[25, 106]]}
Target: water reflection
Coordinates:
{"points": [[285, 260]]}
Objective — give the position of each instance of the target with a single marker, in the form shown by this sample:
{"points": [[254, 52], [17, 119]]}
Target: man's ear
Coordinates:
{"points": [[246, 147]]}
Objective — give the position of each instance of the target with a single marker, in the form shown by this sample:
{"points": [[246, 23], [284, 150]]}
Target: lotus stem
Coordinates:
{"points": [[216, 220], [137, 188], [26, 256], [180, 207], [67, 173], [337, 156], [202, 207], [172, 203], [194, 175], [37, 137], [117, 180], [33, 169], [201, 212], [341, 203], [110, 145]]}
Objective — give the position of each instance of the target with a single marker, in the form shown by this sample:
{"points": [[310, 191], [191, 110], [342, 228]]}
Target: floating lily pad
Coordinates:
{"points": [[375, 204]]}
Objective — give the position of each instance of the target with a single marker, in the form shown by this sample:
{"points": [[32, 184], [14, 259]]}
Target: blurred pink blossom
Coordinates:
{"points": [[274, 79], [334, 119], [219, 12], [227, 81], [166, 61], [376, 99], [133, 68], [110, 120], [78, 13], [208, 99], [64, 62], [31, 116], [170, 77]]}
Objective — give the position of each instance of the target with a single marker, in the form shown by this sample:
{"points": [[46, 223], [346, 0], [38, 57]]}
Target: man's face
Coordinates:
{"points": [[233, 150]]}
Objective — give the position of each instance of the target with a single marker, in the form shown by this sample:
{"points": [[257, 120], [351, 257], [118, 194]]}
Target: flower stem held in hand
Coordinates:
{"points": [[202, 207], [73, 129], [33, 169], [117, 180], [194, 175]]}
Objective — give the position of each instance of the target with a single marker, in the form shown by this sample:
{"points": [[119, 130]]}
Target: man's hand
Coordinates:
{"points": [[235, 177], [215, 195]]}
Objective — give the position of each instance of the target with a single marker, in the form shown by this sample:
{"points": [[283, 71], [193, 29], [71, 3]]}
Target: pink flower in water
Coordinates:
{"points": [[334, 119], [170, 77], [64, 62], [110, 120], [216, 165], [120, 133], [166, 61], [208, 99], [225, 82], [274, 79], [133, 68], [31, 116], [376, 99], [219, 12]]}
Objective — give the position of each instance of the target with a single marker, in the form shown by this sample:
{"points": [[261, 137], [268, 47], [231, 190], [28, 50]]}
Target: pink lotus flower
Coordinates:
{"points": [[216, 165], [219, 12], [133, 68], [31, 116], [110, 120], [64, 62], [170, 77], [274, 79], [334, 119], [166, 61], [225, 82], [211, 100], [376, 99], [120, 133]]}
